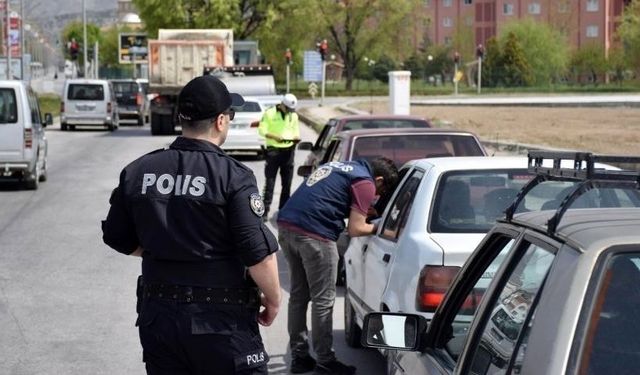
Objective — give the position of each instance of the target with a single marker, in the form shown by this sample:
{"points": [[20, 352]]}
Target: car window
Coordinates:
{"points": [[399, 211], [383, 123], [549, 194], [35, 111], [85, 92], [511, 313], [8, 107], [248, 107], [325, 135], [466, 312], [612, 345], [125, 87], [471, 201], [404, 147]]}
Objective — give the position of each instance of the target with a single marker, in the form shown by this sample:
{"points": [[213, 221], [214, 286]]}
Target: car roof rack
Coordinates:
{"points": [[583, 171]]}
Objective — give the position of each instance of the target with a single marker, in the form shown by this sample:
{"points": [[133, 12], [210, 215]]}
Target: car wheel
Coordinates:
{"points": [[112, 127], [351, 330], [342, 273], [63, 126], [32, 183], [43, 172], [141, 120]]}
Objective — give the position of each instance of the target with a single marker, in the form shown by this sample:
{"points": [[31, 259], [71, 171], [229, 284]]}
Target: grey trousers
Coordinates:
{"points": [[313, 266]]}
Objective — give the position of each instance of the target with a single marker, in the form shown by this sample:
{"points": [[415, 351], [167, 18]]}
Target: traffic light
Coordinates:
{"points": [[456, 58], [74, 48], [287, 56], [323, 48], [480, 51]]}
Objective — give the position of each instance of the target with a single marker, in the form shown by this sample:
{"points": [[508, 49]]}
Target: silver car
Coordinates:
{"points": [[564, 295]]}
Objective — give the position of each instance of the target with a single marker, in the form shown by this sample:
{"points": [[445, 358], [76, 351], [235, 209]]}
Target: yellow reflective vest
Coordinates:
{"points": [[273, 122]]}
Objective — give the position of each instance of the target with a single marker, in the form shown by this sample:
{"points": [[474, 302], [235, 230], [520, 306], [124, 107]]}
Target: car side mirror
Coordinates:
{"points": [[392, 331], [305, 170], [48, 119], [305, 146]]}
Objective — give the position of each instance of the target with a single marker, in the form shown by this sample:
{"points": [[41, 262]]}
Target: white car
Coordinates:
{"points": [[440, 211], [243, 132]]}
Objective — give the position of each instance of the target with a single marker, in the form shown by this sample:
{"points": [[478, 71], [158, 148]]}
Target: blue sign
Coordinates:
{"points": [[312, 71]]}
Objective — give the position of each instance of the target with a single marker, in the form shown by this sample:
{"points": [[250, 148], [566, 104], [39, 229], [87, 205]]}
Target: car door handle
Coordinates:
{"points": [[364, 248], [386, 258]]}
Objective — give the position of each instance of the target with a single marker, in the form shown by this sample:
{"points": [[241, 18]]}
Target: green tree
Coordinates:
{"points": [[543, 48], [365, 28], [73, 30], [109, 53], [245, 17], [382, 67], [629, 32], [492, 64], [516, 71], [589, 61], [617, 64], [464, 42]]}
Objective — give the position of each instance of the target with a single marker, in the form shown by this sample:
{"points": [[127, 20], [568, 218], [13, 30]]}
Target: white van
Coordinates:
{"points": [[89, 102], [23, 144]]}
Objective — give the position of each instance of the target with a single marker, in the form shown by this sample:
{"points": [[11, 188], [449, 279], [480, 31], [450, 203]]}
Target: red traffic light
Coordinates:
{"points": [[480, 51], [456, 58], [287, 56]]}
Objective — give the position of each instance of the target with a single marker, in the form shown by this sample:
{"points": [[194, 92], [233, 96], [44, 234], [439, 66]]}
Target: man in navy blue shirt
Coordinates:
{"points": [[309, 225]]}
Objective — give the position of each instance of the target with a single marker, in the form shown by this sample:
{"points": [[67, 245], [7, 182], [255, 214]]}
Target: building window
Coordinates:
{"points": [[446, 3], [468, 2], [563, 7], [592, 31], [534, 8], [592, 5], [507, 9], [447, 22]]}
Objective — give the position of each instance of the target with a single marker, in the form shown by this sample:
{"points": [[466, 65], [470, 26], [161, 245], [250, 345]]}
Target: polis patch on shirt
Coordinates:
{"points": [[257, 206]]}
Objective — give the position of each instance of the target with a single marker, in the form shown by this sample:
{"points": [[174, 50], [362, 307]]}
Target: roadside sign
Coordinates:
{"points": [[313, 90], [132, 48], [458, 76], [312, 66]]}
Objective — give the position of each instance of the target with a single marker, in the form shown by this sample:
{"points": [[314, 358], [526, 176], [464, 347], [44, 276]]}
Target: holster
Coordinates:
{"points": [[139, 294]]}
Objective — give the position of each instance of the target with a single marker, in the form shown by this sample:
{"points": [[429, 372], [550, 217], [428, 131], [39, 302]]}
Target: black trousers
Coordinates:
{"points": [[200, 338], [282, 159]]}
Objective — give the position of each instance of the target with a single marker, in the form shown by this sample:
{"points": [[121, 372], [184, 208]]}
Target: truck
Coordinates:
{"points": [[178, 56], [175, 58]]}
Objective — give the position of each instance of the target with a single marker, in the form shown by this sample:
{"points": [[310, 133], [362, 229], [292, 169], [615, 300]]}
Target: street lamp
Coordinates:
{"points": [[370, 63]]}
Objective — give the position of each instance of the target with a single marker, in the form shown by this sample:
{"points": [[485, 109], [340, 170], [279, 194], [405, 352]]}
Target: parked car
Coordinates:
{"points": [[399, 145], [23, 142], [148, 97], [353, 122], [132, 101], [561, 297], [439, 212], [88, 102], [243, 129]]}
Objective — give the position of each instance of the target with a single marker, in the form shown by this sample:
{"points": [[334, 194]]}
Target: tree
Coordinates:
{"points": [[109, 53], [359, 28], [492, 64], [543, 48], [589, 61], [382, 67], [245, 17], [74, 31], [629, 32], [516, 70]]}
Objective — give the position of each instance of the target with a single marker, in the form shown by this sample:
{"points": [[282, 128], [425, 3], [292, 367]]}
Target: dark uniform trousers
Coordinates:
{"points": [[181, 338], [278, 158]]}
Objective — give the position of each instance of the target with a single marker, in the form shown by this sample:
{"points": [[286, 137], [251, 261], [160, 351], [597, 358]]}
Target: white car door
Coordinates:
{"points": [[379, 254]]}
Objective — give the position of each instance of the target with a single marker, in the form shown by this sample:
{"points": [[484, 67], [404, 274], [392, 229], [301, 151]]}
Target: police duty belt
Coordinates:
{"points": [[249, 297]]}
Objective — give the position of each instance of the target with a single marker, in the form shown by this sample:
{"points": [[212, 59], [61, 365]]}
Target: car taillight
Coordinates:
{"points": [[28, 138], [432, 285], [109, 107], [139, 100], [255, 124], [61, 107]]}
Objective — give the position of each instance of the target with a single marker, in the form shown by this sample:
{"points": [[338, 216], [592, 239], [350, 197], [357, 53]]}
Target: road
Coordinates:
{"points": [[67, 301]]}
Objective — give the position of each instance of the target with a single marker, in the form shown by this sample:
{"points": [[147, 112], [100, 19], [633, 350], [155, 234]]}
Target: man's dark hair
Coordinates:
{"points": [[385, 168], [198, 126]]}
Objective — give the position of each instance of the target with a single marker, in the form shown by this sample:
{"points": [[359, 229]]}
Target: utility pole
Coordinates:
{"points": [[84, 37], [22, 68], [95, 60], [8, 41]]}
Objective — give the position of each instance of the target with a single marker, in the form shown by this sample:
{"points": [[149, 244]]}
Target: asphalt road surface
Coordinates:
{"points": [[67, 301]]}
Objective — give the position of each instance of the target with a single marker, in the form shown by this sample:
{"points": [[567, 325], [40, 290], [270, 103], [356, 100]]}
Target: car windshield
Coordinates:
{"points": [[471, 201], [125, 87], [85, 92], [247, 107], [387, 123], [404, 147]]}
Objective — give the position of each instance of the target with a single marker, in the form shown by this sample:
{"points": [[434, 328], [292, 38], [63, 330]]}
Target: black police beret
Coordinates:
{"points": [[205, 97]]}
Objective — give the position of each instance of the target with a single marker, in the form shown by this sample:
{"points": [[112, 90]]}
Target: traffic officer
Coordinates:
{"points": [[280, 126], [194, 216]]}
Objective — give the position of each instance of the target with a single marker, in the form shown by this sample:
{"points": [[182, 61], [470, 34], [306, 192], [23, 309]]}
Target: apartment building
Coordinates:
{"points": [[582, 21]]}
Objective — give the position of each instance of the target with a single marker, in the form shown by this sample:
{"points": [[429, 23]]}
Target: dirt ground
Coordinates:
{"points": [[601, 130]]}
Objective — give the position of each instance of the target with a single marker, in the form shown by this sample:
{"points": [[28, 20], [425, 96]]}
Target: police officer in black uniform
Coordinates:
{"points": [[208, 265]]}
